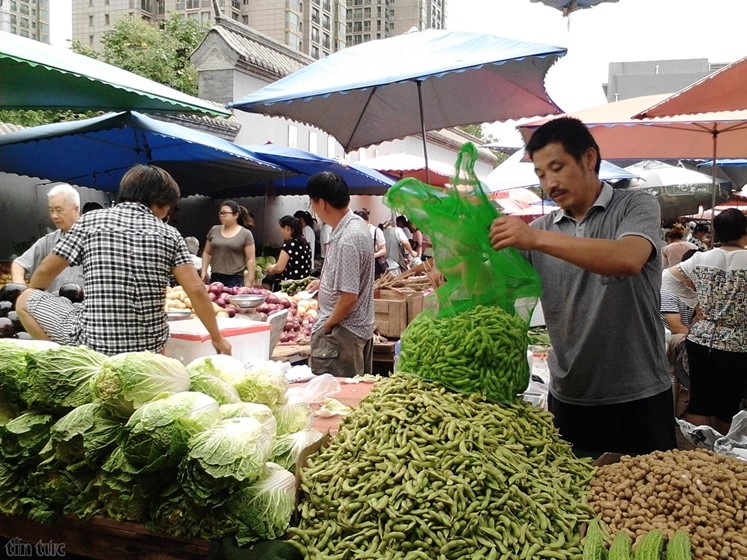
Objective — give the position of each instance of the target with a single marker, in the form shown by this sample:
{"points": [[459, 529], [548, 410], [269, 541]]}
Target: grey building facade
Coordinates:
{"points": [[636, 78]]}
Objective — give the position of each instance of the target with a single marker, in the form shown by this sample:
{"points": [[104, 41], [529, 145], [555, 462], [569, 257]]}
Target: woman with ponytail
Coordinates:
{"points": [[229, 249]]}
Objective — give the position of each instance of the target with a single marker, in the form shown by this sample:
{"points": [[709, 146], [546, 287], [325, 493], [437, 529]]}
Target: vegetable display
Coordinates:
{"points": [[414, 469], [482, 349], [699, 492], [146, 447]]}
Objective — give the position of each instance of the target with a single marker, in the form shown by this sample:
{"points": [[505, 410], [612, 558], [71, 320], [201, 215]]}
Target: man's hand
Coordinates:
{"points": [[511, 231], [313, 286], [222, 346]]}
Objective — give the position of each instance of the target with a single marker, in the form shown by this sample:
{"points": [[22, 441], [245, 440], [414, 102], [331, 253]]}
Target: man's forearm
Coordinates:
{"points": [[48, 270], [607, 257], [17, 273]]}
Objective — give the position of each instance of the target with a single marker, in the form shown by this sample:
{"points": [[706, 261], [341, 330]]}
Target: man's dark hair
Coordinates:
{"points": [[729, 225], [149, 185], [329, 187], [570, 132], [701, 228], [362, 213], [91, 205]]}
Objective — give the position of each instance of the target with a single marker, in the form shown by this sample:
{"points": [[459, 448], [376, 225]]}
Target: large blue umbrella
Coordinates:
{"points": [[35, 75], [359, 178], [96, 153], [415, 82]]}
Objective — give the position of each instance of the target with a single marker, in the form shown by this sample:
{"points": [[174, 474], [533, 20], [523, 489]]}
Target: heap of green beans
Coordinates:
{"points": [[480, 350], [418, 471]]}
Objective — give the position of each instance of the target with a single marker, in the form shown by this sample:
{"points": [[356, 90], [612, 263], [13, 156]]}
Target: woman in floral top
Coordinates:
{"points": [[717, 344], [294, 261]]}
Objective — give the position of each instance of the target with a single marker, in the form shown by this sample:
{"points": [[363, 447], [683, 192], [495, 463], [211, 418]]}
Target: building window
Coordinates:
{"points": [[207, 17], [106, 19], [292, 136], [90, 21], [193, 4], [90, 40]]}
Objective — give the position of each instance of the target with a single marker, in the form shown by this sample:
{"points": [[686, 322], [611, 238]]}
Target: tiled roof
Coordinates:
{"points": [[260, 51]]}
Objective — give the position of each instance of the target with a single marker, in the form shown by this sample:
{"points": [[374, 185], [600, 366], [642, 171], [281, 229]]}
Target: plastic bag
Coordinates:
{"points": [[458, 220], [473, 338], [315, 391]]}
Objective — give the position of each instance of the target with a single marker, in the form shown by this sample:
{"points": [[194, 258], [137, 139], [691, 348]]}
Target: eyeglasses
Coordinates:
{"points": [[226, 213]]}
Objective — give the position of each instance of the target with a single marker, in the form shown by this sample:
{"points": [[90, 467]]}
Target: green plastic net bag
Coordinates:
{"points": [[472, 336]]}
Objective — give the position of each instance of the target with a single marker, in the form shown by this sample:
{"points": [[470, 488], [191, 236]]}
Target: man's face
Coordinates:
{"points": [[571, 184], [62, 213]]}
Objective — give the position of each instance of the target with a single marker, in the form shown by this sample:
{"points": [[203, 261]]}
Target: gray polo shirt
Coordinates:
{"points": [[606, 332], [348, 267], [32, 258]]}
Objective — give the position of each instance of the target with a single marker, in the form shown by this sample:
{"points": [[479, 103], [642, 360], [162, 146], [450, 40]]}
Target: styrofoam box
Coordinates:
{"points": [[189, 339]]}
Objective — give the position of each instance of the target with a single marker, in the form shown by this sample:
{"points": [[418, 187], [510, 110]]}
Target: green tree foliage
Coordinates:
{"points": [[160, 53]]}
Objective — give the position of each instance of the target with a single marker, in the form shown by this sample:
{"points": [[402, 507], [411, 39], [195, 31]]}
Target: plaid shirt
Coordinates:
{"points": [[127, 255]]}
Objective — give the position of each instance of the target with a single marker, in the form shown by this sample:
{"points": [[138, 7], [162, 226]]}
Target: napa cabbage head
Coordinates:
{"points": [[61, 377], [261, 510], [157, 433], [127, 381], [223, 456]]}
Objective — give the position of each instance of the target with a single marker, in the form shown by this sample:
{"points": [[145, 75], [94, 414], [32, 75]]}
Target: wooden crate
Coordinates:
{"points": [[390, 316], [394, 309], [103, 538]]}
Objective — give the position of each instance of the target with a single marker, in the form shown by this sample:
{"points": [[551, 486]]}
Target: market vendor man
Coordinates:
{"points": [[599, 259], [128, 255], [64, 210], [342, 335]]}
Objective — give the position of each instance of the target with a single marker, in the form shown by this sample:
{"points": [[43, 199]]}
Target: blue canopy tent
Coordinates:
{"points": [[96, 153], [359, 178], [39, 76]]}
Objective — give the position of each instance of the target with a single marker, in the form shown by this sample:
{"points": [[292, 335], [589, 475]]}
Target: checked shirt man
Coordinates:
{"points": [[128, 255]]}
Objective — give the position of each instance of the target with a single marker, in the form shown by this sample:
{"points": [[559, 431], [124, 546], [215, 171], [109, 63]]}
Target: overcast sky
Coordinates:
{"points": [[627, 30]]}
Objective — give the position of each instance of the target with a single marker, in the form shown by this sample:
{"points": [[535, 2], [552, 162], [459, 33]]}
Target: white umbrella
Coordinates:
{"points": [[401, 165], [514, 172], [411, 83], [679, 190]]}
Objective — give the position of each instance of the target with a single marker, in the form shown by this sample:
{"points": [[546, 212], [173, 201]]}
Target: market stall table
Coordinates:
{"points": [[351, 395], [292, 353]]}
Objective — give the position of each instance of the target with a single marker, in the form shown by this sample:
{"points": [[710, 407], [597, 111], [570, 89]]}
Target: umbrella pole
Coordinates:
{"points": [[422, 131], [714, 133]]}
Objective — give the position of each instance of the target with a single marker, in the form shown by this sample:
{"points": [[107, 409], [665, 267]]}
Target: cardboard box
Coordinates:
{"points": [[395, 309], [250, 340]]}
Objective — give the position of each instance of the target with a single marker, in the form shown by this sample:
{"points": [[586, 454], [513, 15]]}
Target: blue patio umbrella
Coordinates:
{"points": [[359, 178], [412, 83], [96, 153]]}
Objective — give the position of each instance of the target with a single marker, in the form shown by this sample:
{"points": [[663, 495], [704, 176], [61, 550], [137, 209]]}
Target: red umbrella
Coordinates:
{"points": [[620, 136], [721, 91]]}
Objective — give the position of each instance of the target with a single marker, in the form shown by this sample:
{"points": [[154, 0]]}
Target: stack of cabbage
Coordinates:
{"points": [[203, 451]]}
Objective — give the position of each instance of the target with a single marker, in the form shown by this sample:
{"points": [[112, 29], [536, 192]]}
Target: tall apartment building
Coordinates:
{"points": [[368, 20], [313, 27], [27, 18]]}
